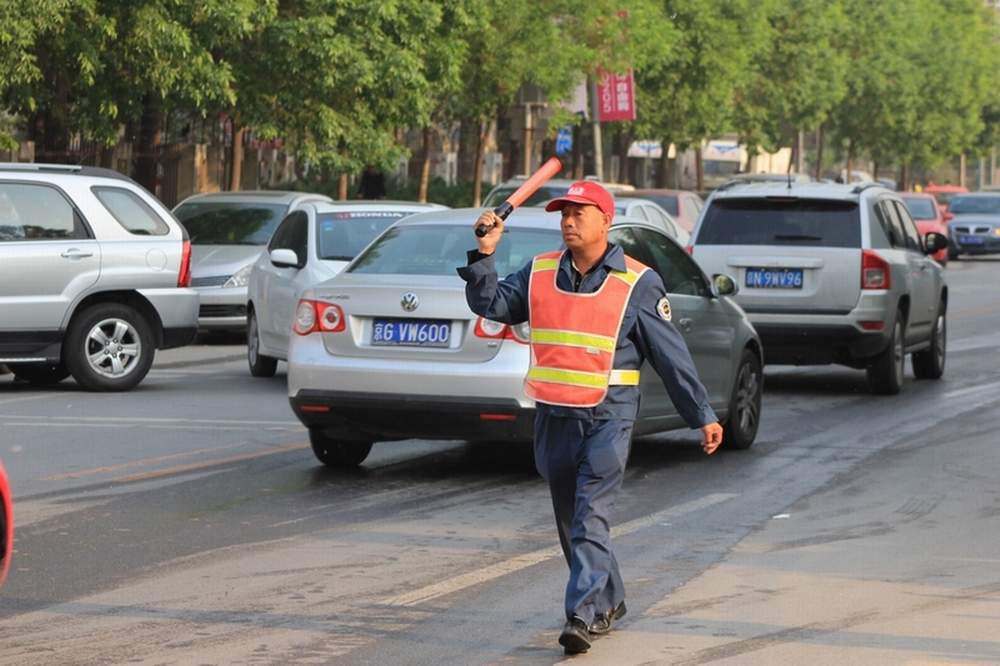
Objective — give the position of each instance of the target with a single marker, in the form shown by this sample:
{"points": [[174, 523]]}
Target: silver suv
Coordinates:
{"points": [[94, 275], [830, 274]]}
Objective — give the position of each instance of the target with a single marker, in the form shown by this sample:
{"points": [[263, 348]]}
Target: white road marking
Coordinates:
{"points": [[526, 560]]}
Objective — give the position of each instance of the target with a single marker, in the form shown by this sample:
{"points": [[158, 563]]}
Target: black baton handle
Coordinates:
{"points": [[501, 211]]}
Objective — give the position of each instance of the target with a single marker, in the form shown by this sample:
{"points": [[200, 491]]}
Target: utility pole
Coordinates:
{"points": [[598, 144]]}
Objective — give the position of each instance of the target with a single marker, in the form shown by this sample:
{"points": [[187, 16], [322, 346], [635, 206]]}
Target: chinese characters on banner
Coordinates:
{"points": [[615, 97]]}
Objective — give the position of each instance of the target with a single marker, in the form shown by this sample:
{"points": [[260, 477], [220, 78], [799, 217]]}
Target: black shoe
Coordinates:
{"points": [[604, 622], [574, 638]]}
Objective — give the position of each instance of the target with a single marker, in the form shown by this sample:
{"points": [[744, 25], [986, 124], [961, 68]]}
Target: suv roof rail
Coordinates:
{"points": [[729, 184], [63, 168], [861, 187]]}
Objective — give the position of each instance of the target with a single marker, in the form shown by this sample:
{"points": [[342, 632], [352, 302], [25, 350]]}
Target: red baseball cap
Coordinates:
{"points": [[585, 192]]}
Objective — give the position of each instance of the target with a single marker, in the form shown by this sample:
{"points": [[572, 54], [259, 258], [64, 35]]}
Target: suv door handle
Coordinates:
{"points": [[76, 254], [685, 323]]}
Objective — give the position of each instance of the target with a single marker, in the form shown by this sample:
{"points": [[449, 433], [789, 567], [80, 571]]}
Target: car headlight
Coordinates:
{"points": [[240, 278]]}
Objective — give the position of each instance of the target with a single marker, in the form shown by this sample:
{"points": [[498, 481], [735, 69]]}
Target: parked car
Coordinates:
{"points": [[831, 274], [684, 206], [550, 189], [975, 224], [644, 209], [928, 216], [388, 349], [311, 244], [94, 276], [6, 524], [228, 232], [945, 193]]}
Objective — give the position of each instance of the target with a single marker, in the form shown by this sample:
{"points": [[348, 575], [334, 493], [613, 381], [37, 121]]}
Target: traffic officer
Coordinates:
{"points": [[595, 314]]}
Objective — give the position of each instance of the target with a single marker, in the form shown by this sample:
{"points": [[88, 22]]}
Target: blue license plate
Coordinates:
{"points": [[411, 332], [970, 240], [777, 278]]}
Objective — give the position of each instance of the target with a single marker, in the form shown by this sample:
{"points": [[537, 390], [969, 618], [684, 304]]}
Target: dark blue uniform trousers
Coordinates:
{"points": [[583, 461]]}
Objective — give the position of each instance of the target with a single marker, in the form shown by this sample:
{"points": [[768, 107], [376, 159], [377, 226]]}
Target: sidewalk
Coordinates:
{"points": [[896, 564]]}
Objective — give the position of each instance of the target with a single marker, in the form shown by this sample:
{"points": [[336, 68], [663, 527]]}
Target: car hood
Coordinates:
{"points": [[211, 260]]}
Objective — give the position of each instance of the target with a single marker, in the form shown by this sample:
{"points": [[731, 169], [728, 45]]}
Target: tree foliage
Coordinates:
{"points": [[904, 81]]}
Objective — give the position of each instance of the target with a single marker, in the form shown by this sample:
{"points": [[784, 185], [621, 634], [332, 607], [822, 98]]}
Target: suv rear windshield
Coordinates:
{"points": [[791, 222]]}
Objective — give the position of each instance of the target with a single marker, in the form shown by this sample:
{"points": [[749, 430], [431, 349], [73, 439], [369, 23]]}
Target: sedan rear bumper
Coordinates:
{"points": [[375, 416]]}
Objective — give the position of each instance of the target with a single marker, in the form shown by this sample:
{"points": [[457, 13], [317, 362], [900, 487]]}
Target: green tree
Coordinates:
{"points": [[687, 94], [800, 79], [335, 78], [922, 72]]}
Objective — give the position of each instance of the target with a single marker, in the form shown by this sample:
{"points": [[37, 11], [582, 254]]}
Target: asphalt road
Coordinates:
{"points": [[187, 522]]}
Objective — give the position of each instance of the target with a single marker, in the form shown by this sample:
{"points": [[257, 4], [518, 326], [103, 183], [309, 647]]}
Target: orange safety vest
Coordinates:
{"points": [[574, 335]]}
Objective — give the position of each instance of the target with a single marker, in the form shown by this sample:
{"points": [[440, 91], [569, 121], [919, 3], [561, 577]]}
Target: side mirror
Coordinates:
{"points": [[935, 242], [948, 217], [282, 257], [723, 285]]}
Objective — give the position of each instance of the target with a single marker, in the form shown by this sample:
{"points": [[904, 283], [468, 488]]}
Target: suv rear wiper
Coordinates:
{"points": [[797, 237]]}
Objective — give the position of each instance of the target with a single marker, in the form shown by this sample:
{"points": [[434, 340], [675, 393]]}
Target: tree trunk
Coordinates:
{"points": [[699, 168], [236, 158], [849, 176], [425, 167], [148, 144], [663, 173], [477, 163], [904, 185], [819, 153], [342, 187], [578, 152]]}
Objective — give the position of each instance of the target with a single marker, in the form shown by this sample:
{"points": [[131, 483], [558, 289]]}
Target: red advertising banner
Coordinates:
{"points": [[615, 97]]}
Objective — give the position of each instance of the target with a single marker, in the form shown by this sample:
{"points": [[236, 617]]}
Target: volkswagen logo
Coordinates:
{"points": [[409, 302]]}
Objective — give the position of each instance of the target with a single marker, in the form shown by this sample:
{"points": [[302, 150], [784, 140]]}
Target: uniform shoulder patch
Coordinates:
{"points": [[663, 308]]}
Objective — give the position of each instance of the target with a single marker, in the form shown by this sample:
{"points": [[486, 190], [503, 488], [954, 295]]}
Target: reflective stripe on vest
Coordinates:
{"points": [[573, 335]]}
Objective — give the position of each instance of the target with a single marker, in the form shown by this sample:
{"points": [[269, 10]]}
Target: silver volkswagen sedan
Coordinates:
{"points": [[389, 350]]}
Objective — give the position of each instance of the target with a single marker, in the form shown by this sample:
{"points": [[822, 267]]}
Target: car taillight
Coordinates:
{"points": [[487, 328], [317, 316], [184, 276], [874, 271]]}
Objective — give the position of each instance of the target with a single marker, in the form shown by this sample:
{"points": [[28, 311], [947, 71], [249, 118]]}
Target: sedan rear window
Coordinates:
{"points": [[961, 205], [920, 209], [343, 234], [440, 249], [782, 222], [218, 223]]}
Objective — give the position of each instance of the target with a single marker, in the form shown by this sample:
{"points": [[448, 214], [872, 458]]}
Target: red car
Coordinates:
{"points": [[6, 524], [683, 206], [929, 216], [944, 193]]}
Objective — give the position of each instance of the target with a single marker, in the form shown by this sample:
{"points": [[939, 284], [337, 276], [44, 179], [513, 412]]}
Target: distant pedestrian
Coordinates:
{"points": [[372, 184]]}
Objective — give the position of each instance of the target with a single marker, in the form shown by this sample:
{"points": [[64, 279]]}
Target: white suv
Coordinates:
{"points": [[830, 274], [94, 275]]}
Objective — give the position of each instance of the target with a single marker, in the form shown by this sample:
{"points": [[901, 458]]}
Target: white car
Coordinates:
{"points": [[228, 232], [644, 209], [312, 244], [388, 348]]}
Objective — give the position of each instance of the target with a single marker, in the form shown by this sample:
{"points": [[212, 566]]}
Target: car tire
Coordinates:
{"points": [[260, 365], [740, 428], [929, 364], [108, 347], [885, 370], [952, 253], [39, 373], [338, 453]]}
